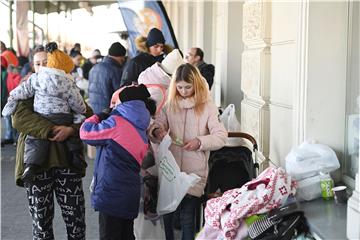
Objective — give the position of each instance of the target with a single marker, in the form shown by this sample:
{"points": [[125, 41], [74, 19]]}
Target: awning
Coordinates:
{"points": [[58, 6]]}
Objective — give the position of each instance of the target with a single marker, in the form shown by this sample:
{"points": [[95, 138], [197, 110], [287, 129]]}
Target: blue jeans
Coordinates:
{"points": [[187, 209], [10, 132]]}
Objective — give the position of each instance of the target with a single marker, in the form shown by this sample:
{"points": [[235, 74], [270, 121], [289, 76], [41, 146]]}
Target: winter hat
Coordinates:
{"points": [[58, 59], [172, 61], [134, 92], [137, 92], [117, 50], [154, 37]]}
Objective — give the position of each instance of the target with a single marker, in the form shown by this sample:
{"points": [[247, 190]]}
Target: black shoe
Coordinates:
{"points": [[29, 174]]}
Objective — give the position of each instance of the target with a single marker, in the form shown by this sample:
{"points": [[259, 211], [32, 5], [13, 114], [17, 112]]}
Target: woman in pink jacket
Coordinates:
{"points": [[191, 119]]}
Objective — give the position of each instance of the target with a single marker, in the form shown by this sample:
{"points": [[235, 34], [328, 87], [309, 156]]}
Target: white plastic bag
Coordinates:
{"points": [[308, 189], [173, 184], [228, 118], [231, 124], [308, 159]]}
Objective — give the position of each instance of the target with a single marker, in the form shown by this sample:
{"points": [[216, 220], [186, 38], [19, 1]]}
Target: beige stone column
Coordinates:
{"points": [[255, 75]]}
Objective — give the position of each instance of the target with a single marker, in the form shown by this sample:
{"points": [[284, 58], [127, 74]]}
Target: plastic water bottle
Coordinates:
{"points": [[326, 184]]}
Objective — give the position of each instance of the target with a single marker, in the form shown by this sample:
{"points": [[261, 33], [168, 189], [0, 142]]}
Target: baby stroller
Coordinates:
{"points": [[229, 168]]}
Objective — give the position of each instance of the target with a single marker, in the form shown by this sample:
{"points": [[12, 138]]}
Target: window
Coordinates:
{"points": [[351, 166]]}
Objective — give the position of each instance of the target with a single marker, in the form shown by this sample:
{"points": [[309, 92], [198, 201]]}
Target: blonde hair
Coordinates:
{"points": [[190, 74]]}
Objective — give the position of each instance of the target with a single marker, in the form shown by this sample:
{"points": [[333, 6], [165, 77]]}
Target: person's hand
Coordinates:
{"points": [[159, 133], [192, 145], [104, 114], [60, 133]]}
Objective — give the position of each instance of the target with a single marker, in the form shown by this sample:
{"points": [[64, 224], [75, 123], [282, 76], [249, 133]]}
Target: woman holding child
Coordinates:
{"points": [[56, 174]]}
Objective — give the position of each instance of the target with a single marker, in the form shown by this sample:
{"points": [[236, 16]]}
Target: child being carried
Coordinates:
{"points": [[55, 98]]}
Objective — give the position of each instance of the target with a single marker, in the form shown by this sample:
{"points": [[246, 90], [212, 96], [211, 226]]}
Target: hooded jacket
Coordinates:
{"points": [[53, 90], [157, 82], [208, 72], [123, 144], [104, 80], [185, 125], [140, 62]]}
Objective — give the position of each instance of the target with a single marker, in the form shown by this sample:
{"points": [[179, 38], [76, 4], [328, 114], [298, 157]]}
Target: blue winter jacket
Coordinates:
{"points": [[104, 80], [123, 144]]}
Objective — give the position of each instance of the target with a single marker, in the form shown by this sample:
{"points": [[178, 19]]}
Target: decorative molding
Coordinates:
{"points": [[256, 17], [250, 120], [282, 105], [255, 101], [300, 91], [255, 120], [265, 130], [255, 73], [287, 42], [250, 73], [262, 161]]}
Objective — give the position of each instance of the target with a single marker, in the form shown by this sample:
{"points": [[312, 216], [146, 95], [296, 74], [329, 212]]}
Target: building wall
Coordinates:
{"points": [[216, 28], [276, 74], [283, 73], [292, 79], [231, 92]]}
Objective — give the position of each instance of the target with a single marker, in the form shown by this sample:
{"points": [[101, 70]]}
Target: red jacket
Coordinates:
{"points": [[12, 80]]}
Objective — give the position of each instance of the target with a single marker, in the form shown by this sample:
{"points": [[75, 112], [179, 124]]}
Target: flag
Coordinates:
{"points": [[141, 16]]}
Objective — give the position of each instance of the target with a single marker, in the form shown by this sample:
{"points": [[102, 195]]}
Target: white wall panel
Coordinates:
{"points": [[283, 73], [280, 133]]}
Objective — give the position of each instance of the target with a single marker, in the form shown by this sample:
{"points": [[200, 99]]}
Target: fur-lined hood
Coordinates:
{"points": [[140, 43]]}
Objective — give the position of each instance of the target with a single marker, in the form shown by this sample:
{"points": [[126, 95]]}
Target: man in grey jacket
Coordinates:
{"points": [[105, 77]]}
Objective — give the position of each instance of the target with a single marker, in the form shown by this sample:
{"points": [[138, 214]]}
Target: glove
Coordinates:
{"points": [[104, 114]]}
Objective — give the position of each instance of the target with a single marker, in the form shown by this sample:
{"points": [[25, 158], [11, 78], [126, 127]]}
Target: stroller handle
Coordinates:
{"points": [[245, 135]]}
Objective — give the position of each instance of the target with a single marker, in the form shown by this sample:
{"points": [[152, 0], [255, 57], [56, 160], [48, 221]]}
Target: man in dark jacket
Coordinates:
{"points": [[151, 49], [105, 78], [195, 56]]}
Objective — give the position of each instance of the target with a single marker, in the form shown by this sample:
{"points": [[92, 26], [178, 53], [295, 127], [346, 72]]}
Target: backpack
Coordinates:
{"points": [[280, 224]]}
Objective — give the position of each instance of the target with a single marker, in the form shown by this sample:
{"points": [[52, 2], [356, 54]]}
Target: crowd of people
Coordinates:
{"points": [[124, 107]]}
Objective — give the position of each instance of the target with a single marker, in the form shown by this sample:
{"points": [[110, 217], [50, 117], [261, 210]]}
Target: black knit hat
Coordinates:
{"points": [[154, 37], [138, 92], [117, 50]]}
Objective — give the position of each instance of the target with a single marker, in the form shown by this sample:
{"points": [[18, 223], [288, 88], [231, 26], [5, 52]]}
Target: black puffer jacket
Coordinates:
{"points": [[208, 72], [136, 65], [104, 80]]}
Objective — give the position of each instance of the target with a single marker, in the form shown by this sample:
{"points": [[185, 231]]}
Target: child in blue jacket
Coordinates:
{"points": [[123, 144]]}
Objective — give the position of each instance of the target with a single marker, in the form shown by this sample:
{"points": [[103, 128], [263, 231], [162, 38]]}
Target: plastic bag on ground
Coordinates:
{"points": [[173, 184], [308, 159], [231, 124]]}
